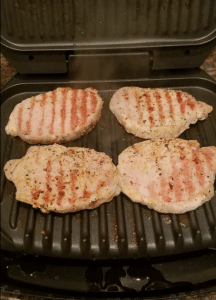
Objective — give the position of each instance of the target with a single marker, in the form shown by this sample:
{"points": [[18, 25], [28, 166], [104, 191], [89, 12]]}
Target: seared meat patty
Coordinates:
{"points": [[61, 115], [156, 113], [170, 176], [60, 179]]}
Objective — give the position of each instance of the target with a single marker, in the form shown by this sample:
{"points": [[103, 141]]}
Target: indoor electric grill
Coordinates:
{"points": [[120, 249]]}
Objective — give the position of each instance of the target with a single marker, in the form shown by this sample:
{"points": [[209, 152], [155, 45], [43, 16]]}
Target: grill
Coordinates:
{"points": [[120, 247]]}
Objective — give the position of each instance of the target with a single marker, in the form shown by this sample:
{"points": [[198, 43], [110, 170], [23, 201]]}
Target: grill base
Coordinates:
{"points": [[192, 273]]}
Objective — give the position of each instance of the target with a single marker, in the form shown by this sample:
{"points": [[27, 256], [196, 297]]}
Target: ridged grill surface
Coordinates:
{"points": [[74, 23], [121, 228]]}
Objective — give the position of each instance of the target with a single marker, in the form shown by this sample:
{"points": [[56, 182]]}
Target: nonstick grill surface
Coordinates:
{"points": [[121, 228]]}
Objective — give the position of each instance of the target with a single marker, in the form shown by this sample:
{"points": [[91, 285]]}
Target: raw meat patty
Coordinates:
{"points": [[61, 115], [156, 113], [60, 179], [170, 176]]}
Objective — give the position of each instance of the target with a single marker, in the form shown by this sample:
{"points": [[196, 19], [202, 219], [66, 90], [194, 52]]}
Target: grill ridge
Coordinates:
{"points": [[29, 229], [5, 158], [6, 17], [28, 21], [85, 231], [14, 212], [66, 233], [177, 232], [211, 218], [195, 229], [121, 231], [103, 230], [48, 232], [140, 234], [39, 23], [157, 224]]}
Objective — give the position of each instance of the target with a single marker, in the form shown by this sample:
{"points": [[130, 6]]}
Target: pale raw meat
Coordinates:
{"points": [[156, 113], [61, 179], [57, 116], [168, 175]]}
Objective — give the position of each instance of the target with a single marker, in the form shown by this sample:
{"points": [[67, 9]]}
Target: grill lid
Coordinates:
{"points": [[38, 36]]}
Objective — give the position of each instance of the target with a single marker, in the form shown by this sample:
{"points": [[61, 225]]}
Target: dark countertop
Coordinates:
{"points": [[7, 72]]}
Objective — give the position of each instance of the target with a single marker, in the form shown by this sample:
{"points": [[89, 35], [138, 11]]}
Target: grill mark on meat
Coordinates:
{"points": [[48, 190], [160, 107], [83, 108], [60, 184], [165, 194], [42, 105], [28, 123], [152, 190], [53, 98], [181, 102], [139, 110], [73, 178], [163, 191], [20, 118], [126, 95], [35, 192], [186, 172], [150, 108], [169, 100], [199, 166], [100, 184], [37, 155], [63, 109], [93, 101], [86, 194], [74, 117], [177, 182], [208, 158], [190, 103]]}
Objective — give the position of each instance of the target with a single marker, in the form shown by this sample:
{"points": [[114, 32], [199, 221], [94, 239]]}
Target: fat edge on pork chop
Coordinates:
{"points": [[156, 113], [60, 179], [168, 175], [57, 116]]}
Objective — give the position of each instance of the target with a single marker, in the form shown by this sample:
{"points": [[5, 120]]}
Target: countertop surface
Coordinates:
{"points": [[7, 72]]}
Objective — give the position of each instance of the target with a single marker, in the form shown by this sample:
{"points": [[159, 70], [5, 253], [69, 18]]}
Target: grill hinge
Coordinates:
{"points": [[114, 66]]}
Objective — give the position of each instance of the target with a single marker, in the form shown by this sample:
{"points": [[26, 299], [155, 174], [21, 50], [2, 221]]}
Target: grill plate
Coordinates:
{"points": [[121, 228]]}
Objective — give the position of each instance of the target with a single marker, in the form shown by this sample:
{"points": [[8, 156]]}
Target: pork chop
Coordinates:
{"points": [[168, 175], [61, 115], [60, 179], [156, 113]]}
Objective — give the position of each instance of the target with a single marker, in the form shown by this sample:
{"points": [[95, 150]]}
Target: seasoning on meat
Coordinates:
{"points": [[56, 116], [61, 179], [156, 113], [168, 175]]}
